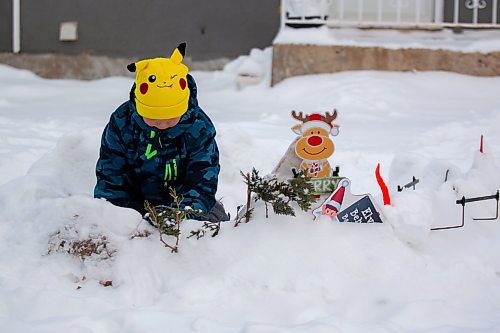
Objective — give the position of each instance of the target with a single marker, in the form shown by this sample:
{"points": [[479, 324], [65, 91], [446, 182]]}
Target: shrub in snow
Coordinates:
{"points": [[279, 194], [168, 219], [206, 227], [93, 246]]}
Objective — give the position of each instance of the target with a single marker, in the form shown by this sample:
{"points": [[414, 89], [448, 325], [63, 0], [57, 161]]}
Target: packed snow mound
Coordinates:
{"points": [[328, 273], [252, 69], [60, 247]]}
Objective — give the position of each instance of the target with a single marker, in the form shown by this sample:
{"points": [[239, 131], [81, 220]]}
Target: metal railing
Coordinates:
{"points": [[416, 14]]}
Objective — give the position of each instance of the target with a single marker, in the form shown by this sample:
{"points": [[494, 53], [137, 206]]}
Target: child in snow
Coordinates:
{"points": [[160, 139]]}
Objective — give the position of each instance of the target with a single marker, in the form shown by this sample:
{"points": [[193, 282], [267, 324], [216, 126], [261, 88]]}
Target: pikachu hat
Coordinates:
{"points": [[161, 90]]}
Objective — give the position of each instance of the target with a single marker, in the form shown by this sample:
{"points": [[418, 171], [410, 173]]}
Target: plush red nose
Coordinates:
{"points": [[144, 88], [314, 140]]}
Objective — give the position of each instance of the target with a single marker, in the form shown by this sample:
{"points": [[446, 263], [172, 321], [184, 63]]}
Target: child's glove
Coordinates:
{"points": [[160, 210], [218, 214]]}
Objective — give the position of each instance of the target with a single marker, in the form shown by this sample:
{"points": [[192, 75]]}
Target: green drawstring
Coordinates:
{"points": [[168, 171], [175, 169], [149, 154], [168, 166]]}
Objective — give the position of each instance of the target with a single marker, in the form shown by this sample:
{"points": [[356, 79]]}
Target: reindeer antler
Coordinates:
{"points": [[300, 116], [329, 117]]}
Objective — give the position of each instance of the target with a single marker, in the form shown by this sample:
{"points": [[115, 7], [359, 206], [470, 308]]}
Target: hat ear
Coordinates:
{"points": [[131, 67], [138, 66], [182, 49], [141, 65], [178, 54], [297, 129], [335, 130]]}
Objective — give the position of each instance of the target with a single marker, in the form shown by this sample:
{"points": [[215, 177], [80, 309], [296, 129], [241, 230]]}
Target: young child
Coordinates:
{"points": [[160, 139]]}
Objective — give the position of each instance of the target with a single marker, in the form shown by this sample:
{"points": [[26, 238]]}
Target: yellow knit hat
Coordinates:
{"points": [[161, 90]]}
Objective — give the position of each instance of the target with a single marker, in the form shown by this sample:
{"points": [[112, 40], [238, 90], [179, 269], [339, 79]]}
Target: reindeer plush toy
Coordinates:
{"points": [[315, 146]]}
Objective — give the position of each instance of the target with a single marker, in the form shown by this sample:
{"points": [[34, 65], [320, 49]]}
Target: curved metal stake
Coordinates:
{"points": [[463, 201], [497, 197]]}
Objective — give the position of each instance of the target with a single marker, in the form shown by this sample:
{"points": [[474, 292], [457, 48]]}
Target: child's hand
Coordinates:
{"points": [[160, 220]]}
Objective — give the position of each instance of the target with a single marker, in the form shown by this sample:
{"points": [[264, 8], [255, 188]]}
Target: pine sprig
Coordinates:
{"points": [[278, 194], [168, 219], [207, 227]]}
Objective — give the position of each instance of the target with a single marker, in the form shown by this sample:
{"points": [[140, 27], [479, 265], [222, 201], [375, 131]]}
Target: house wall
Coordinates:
{"points": [[5, 25], [147, 28]]}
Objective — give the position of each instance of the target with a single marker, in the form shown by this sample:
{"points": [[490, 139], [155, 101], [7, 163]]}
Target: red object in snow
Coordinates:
{"points": [[338, 197], [481, 145], [383, 187]]}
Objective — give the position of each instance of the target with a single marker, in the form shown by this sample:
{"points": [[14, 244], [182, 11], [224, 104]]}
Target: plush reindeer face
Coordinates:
{"points": [[315, 143], [161, 90]]}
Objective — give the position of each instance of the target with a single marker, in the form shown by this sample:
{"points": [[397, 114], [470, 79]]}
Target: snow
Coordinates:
{"points": [[279, 274], [483, 41], [251, 69]]}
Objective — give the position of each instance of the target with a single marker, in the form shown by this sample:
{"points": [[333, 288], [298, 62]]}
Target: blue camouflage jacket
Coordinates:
{"points": [[138, 162]]}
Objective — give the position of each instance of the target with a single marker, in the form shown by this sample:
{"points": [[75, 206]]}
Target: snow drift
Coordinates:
{"points": [[279, 274]]}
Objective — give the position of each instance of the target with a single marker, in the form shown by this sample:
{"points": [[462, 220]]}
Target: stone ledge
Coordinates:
{"points": [[86, 67], [57, 66], [296, 59]]}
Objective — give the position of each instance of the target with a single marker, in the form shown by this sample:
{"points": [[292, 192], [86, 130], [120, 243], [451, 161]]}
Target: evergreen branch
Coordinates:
{"points": [[279, 194], [168, 219], [213, 227]]}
